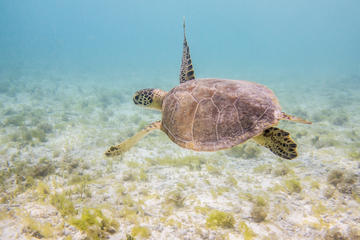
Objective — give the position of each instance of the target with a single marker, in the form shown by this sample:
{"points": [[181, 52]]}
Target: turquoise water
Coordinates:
{"points": [[68, 71]]}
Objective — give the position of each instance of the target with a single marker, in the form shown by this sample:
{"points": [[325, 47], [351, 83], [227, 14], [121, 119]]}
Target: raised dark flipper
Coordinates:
{"points": [[187, 70]]}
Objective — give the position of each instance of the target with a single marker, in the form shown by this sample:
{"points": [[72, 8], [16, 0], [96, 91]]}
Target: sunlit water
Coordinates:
{"points": [[67, 75]]}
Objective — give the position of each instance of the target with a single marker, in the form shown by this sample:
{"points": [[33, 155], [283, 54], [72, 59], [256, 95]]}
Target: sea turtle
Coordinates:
{"points": [[211, 114]]}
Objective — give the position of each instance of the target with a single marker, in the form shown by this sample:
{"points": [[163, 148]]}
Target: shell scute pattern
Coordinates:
{"points": [[204, 127], [181, 104], [229, 125], [213, 114], [200, 92]]}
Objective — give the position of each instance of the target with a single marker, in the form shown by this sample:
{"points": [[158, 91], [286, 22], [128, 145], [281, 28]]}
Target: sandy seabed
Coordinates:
{"points": [[56, 183]]}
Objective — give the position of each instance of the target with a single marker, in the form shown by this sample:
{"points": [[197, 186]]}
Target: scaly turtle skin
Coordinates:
{"points": [[213, 114]]}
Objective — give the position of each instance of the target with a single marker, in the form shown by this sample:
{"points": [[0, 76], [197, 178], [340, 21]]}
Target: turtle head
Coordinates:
{"points": [[150, 98]]}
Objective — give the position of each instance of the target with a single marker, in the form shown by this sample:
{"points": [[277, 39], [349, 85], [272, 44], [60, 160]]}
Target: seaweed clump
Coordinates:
{"points": [[23, 170], [335, 177], [82, 187], [259, 211], [95, 224], [42, 169], [62, 204], [25, 174], [218, 218], [247, 232], [343, 181], [37, 229], [176, 197], [140, 231], [43, 190], [282, 170], [293, 186]]}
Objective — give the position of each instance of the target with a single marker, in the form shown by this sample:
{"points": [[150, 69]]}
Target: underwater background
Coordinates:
{"points": [[68, 70]]}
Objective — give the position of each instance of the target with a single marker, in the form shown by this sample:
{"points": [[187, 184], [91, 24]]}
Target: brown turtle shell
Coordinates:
{"points": [[213, 114]]}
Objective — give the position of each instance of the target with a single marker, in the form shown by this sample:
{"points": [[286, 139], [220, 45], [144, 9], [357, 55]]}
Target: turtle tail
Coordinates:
{"points": [[285, 116]]}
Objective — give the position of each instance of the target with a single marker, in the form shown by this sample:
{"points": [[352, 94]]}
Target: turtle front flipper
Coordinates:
{"points": [[186, 70], [278, 141], [288, 117], [130, 142]]}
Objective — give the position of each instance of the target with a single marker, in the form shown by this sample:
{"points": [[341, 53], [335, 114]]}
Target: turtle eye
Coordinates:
{"points": [[136, 99]]}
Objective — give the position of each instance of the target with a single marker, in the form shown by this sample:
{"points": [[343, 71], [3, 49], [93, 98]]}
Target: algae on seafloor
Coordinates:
{"points": [[63, 204], [25, 175], [193, 162], [23, 169], [15, 120], [258, 200], [94, 223], [293, 185], [218, 218], [175, 197], [231, 180], [141, 232], [345, 182], [335, 177], [82, 185], [42, 190], [258, 213], [263, 168], [37, 229], [282, 170], [247, 232]]}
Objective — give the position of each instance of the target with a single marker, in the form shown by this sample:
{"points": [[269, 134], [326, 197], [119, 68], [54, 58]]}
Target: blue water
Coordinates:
{"points": [[68, 70], [227, 39]]}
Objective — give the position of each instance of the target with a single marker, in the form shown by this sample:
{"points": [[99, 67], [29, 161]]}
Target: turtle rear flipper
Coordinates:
{"points": [[278, 141], [130, 142]]}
